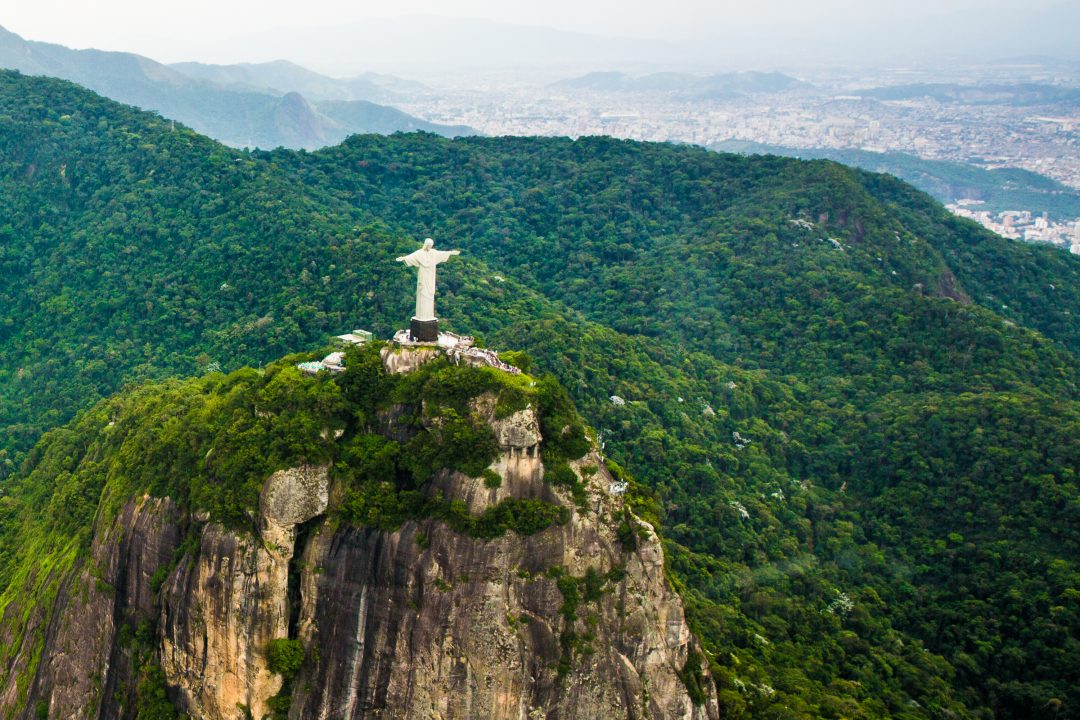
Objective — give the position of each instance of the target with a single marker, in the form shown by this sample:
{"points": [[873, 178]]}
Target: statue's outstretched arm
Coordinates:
{"points": [[454, 252]]}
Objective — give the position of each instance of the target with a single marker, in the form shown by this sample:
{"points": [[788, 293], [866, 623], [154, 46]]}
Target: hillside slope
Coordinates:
{"points": [[282, 76], [855, 413]]}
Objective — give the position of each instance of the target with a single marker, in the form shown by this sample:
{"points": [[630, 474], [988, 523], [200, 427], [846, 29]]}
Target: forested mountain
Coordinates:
{"points": [[854, 414], [239, 116], [439, 540]]}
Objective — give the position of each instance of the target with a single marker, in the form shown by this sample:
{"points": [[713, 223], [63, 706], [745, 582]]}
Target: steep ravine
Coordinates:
{"points": [[574, 621]]}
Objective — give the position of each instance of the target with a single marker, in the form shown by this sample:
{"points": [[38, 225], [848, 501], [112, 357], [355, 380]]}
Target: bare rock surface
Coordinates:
{"points": [[406, 359], [218, 616], [290, 497], [221, 612], [519, 429], [84, 671], [425, 622]]}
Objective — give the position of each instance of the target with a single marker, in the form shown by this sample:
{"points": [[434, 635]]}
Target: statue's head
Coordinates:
{"points": [[428, 244]]}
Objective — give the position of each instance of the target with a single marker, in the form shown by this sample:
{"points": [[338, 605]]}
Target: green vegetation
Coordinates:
{"points": [[492, 480], [560, 474], [853, 416], [150, 700], [438, 408], [153, 702], [382, 506], [693, 677], [210, 442], [284, 657], [578, 592]]}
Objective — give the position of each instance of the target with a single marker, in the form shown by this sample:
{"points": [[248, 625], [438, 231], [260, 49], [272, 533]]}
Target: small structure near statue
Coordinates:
{"points": [[356, 337], [334, 363]]}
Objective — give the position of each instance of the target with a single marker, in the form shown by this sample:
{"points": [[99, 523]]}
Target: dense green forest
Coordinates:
{"points": [[855, 415]]}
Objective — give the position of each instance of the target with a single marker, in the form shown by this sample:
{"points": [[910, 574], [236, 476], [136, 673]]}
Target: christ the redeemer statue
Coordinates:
{"points": [[425, 326]]}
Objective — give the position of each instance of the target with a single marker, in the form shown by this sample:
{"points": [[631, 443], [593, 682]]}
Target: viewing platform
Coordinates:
{"points": [[404, 354]]}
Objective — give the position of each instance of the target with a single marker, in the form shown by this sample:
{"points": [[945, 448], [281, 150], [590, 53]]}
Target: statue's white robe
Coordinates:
{"points": [[426, 260]]}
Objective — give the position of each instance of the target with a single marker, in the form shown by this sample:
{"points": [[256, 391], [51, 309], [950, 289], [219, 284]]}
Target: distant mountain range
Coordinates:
{"points": [[281, 76], [1000, 188], [717, 86], [430, 45], [995, 94], [267, 105]]}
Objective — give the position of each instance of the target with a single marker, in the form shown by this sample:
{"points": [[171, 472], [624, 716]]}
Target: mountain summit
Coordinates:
{"points": [[444, 542]]}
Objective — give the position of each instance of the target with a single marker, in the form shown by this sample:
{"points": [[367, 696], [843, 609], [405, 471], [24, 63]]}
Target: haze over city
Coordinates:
{"points": [[342, 38]]}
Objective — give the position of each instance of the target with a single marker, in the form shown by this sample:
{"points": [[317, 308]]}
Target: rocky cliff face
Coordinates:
{"points": [[425, 622], [84, 670], [574, 621], [220, 612]]}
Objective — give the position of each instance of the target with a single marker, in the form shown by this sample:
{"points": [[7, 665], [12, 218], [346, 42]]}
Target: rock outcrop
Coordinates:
{"points": [[397, 359], [425, 622], [84, 670], [573, 621], [220, 613]]}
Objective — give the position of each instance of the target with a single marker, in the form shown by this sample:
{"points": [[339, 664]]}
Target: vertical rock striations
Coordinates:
{"points": [[221, 611], [425, 622], [428, 622], [85, 671]]}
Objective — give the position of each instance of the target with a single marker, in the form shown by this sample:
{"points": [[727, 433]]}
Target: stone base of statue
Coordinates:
{"points": [[424, 330], [404, 354]]}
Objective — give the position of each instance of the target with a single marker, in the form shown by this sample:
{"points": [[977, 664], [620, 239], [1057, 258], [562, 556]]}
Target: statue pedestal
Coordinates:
{"points": [[424, 330]]}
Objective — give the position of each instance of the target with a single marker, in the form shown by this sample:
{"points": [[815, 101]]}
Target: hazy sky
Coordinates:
{"points": [[223, 30]]}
